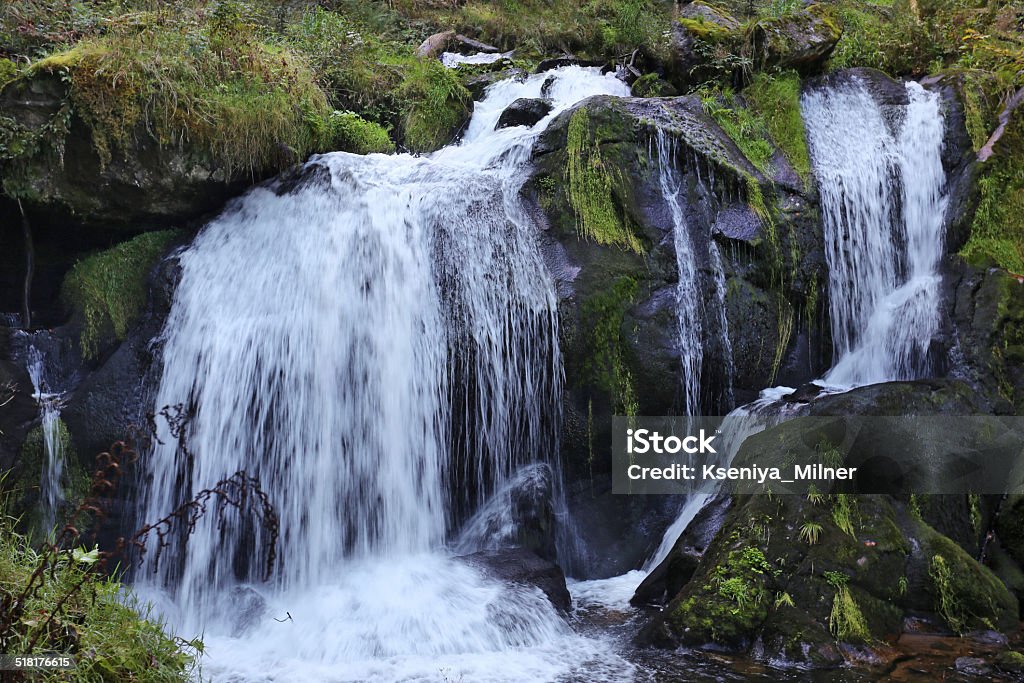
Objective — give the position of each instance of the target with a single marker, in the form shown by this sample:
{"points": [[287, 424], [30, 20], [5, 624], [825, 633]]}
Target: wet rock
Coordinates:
{"points": [[525, 111], [247, 606], [518, 565], [805, 394], [665, 581], [618, 305], [973, 666], [700, 32]]}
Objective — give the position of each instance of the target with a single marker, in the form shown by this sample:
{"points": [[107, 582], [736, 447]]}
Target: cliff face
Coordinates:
{"points": [[118, 138]]}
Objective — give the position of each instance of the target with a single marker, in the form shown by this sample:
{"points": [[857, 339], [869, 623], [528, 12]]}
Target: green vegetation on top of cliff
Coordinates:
{"points": [[107, 291]]}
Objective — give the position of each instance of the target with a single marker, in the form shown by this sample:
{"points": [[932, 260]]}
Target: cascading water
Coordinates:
{"points": [[883, 202], [377, 343], [51, 476]]}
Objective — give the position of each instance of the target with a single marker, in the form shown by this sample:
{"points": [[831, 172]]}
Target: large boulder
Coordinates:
{"points": [[609, 241], [808, 579], [521, 566]]}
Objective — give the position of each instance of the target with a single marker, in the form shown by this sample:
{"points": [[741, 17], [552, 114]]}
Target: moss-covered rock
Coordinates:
{"points": [[106, 291], [800, 40]]}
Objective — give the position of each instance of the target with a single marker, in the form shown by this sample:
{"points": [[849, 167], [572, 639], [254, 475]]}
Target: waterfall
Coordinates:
{"points": [[376, 341], [51, 476], [883, 206], [883, 203], [689, 298]]}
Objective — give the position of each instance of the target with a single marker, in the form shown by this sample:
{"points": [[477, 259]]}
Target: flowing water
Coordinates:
{"points": [[51, 476], [376, 341], [883, 205]]}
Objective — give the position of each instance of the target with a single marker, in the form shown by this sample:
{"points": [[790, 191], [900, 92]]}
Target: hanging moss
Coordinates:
{"points": [[846, 621], [107, 291], [776, 101], [591, 186]]}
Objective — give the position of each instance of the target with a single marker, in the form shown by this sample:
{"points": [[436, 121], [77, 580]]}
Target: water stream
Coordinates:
{"points": [[376, 341]]}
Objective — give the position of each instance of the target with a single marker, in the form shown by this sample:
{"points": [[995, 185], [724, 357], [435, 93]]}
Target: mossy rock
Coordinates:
{"points": [[23, 481], [800, 40], [106, 292]]}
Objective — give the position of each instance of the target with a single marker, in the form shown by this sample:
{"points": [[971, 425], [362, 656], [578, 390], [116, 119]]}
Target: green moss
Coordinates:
{"points": [[776, 101], [891, 39], [607, 361], [652, 85], [591, 186], [107, 291], [354, 134], [997, 233], [734, 600], [742, 125], [966, 595]]}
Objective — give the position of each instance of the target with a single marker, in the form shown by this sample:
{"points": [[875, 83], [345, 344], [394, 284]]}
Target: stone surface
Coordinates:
{"points": [[525, 111], [518, 565]]}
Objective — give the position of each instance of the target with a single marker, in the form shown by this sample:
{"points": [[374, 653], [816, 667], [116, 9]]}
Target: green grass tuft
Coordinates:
{"points": [[107, 291]]}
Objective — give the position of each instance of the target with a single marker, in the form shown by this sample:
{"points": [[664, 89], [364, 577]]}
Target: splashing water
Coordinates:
{"points": [[883, 203], [376, 341]]}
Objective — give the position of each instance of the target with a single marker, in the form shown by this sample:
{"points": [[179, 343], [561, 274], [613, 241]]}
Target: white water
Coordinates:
{"points": [[689, 298], [378, 345], [883, 206], [51, 476]]}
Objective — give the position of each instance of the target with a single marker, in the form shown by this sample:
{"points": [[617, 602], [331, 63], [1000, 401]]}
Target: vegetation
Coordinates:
{"points": [[775, 100], [846, 622], [74, 609], [591, 187], [607, 363], [107, 291]]}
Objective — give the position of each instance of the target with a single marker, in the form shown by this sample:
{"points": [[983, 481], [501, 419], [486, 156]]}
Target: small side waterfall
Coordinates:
{"points": [[883, 202], [376, 341], [51, 476]]}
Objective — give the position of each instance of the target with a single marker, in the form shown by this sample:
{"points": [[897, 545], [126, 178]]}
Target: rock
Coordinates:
{"points": [[245, 605], [152, 185], [805, 394], [469, 46], [652, 85], [18, 410], [520, 514], [433, 46], [800, 40], [973, 666], [557, 62], [518, 565], [617, 291], [792, 564], [665, 580], [525, 111], [700, 32]]}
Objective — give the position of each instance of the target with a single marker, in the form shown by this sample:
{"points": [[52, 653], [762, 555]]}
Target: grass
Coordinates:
{"points": [[536, 28], [742, 125], [107, 291], [111, 635], [775, 99]]}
